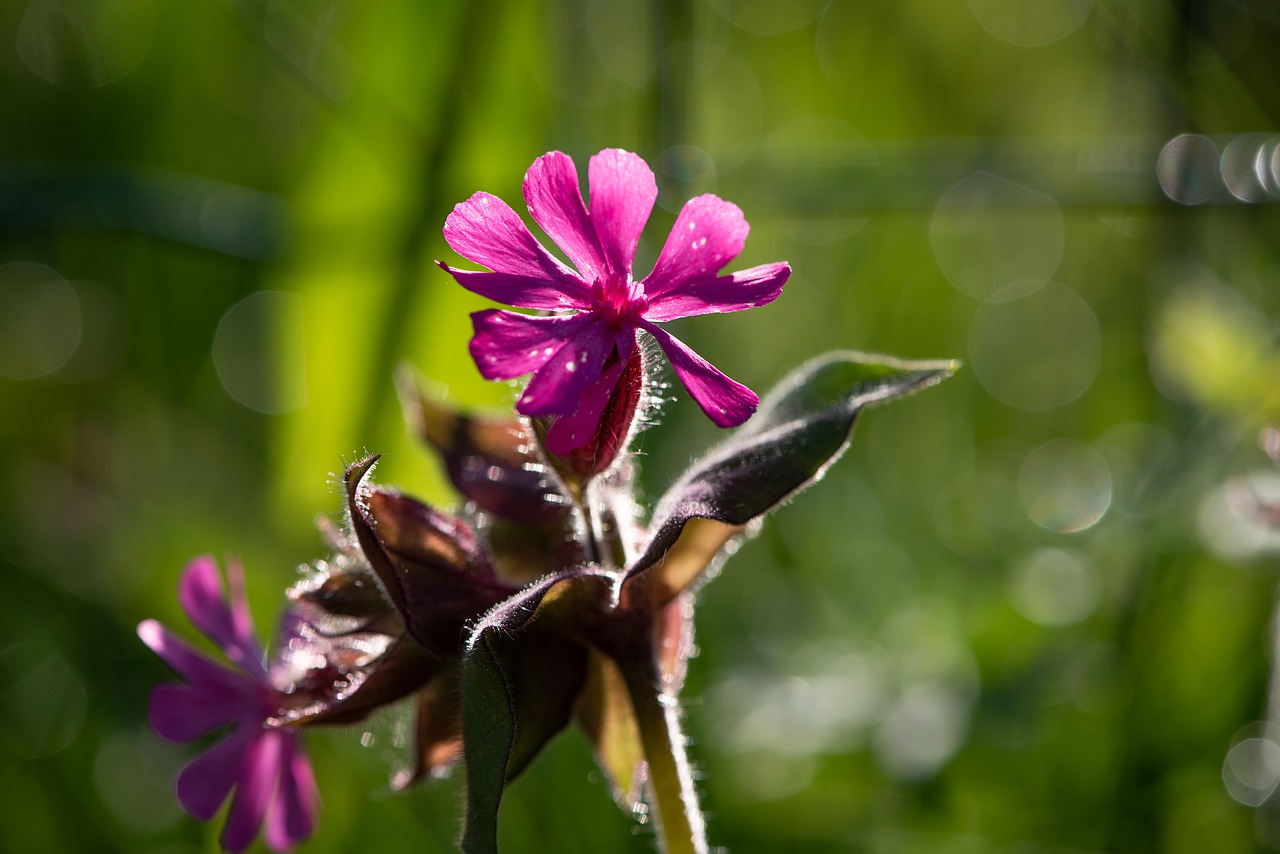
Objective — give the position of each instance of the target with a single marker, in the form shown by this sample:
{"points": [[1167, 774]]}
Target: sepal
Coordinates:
{"points": [[431, 565]]}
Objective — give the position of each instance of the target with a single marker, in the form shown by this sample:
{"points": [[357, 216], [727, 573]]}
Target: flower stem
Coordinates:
{"points": [[673, 800], [590, 531]]}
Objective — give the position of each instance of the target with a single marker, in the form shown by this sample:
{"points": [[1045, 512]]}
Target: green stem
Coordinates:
{"points": [[673, 800], [591, 538]]}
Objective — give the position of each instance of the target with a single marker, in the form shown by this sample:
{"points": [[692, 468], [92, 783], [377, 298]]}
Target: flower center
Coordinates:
{"points": [[614, 298]]}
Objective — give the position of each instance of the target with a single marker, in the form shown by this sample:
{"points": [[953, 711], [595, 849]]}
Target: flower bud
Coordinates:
{"points": [[615, 422], [613, 427]]}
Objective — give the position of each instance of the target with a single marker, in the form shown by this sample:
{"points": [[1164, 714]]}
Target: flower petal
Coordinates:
{"points": [[508, 345], [554, 198], [726, 402], [709, 233], [737, 291], [622, 195], [182, 713], [557, 387], [224, 620], [574, 430], [291, 815], [204, 601], [254, 790], [525, 291], [205, 783], [485, 229], [194, 667]]}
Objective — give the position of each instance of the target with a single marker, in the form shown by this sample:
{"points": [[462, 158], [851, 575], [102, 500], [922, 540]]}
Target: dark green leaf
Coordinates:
{"points": [[520, 680], [803, 425]]}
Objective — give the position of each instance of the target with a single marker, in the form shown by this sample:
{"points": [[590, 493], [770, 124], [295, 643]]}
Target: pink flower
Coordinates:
{"points": [[270, 774], [577, 353]]}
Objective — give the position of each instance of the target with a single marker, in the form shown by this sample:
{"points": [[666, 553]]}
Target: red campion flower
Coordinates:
{"points": [[265, 766], [578, 352]]}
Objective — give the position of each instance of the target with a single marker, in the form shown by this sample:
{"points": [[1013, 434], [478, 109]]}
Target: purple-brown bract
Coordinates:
{"points": [[272, 777], [577, 353]]}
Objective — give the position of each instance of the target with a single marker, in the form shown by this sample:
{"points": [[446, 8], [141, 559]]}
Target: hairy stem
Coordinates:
{"points": [[590, 530], [673, 800]]}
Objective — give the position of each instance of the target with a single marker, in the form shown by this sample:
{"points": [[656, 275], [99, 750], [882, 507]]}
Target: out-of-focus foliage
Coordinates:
{"points": [[1025, 613]]}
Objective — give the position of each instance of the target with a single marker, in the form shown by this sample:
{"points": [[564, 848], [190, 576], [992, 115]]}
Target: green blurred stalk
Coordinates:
{"points": [[673, 799], [473, 43]]}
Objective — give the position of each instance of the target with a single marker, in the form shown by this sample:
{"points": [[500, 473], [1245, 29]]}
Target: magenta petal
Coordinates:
{"points": [[245, 651], [557, 387], [508, 345], [182, 713], [224, 620], [192, 666], [527, 291], [292, 813], [205, 783], [727, 403], [485, 229], [201, 595], [709, 233], [737, 291], [254, 791], [555, 200], [574, 430], [622, 195]]}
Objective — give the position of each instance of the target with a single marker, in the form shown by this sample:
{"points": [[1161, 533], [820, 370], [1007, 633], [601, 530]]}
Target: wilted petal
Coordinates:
{"points": [[735, 292], [291, 815], [554, 198], [254, 790], [622, 195], [708, 233], [558, 386], [205, 783], [182, 712], [725, 401], [507, 345]]}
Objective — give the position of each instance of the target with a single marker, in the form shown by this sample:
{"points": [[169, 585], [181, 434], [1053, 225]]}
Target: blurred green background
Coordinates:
{"points": [[1028, 611]]}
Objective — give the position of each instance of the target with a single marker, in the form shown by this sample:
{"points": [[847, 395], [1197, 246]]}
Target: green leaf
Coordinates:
{"points": [[609, 720], [802, 426], [521, 679], [489, 737]]}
